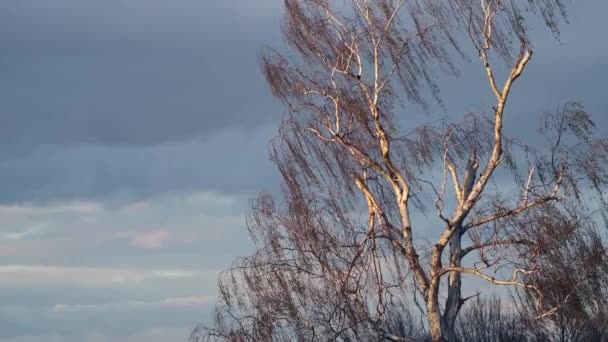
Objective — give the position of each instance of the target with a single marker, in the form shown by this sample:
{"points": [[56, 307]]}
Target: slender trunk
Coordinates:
{"points": [[442, 326], [454, 300]]}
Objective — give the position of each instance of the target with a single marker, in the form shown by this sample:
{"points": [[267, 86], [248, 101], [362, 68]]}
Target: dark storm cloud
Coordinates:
{"points": [[141, 97], [129, 72], [230, 161]]}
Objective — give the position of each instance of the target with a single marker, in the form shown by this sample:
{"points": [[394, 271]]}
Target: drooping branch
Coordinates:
{"points": [[335, 258]]}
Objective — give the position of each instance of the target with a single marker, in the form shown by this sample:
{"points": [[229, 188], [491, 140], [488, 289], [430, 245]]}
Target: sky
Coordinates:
{"points": [[133, 134]]}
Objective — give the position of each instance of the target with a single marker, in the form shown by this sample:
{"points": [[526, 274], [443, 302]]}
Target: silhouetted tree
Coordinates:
{"points": [[342, 256]]}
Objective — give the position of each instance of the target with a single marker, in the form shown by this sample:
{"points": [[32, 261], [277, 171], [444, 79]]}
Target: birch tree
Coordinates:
{"points": [[377, 217]]}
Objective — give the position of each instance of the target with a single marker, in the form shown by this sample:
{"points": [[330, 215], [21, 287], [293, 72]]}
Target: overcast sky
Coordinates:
{"points": [[134, 132]]}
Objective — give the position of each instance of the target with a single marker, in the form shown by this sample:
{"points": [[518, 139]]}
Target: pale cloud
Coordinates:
{"points": [[151, 240], [160, 239], [21, 210], [131, 305], [190, 300], [153, 334], [174, 274], [24, 248], [159, 223], [20, 235], [90, 276], [151, 263]]}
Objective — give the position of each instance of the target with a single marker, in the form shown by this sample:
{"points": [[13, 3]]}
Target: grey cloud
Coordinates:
{"points": [[113, 98], [231, 161], [129, 73]]}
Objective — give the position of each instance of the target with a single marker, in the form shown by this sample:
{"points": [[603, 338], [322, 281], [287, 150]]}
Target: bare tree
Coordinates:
{"points": [[346, 252]]}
